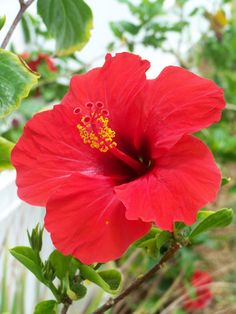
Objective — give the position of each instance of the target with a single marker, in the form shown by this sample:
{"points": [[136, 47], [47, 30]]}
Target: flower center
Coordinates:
{"points": [[94, 129]]}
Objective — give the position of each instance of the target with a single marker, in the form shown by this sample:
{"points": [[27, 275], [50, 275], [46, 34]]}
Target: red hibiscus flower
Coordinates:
{"points": [[200, 281], [42, 57], [117, 155]]}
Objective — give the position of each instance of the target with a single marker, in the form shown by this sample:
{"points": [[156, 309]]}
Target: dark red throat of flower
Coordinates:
{"points": [[139, 167], [95, 131]]}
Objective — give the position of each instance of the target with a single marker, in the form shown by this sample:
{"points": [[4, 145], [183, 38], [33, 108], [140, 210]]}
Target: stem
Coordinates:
{"points": [[23, 8], [66, 304], [140, 280], [65, 308], [54, 290]]}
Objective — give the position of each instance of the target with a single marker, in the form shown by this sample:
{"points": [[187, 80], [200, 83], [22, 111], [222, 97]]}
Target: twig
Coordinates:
{"points": [[141, 279], [23, 7]]}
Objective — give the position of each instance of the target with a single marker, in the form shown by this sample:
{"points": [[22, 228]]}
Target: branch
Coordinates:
{"points": [[66, 304], [23, 7], [65, 308], [140, 280]]}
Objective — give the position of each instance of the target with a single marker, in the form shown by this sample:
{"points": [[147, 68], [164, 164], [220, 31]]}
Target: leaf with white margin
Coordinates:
{"points": [[16, 81]]}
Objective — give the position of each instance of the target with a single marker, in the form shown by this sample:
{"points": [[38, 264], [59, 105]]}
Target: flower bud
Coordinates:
{"points": [[35, 238]]}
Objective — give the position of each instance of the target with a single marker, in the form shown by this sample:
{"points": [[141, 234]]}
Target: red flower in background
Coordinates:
{"points": [[42, 57], [117, 155], [200, 281]]}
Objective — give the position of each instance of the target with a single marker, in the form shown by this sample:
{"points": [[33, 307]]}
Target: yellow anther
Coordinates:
{"points": [[94, 130]]}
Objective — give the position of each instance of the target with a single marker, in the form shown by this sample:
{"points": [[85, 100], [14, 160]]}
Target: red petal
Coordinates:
{"points": [[116, 84], [87, 220], [200, 278], [199, 302], [181, 182], [180, 102], [51, 150]]}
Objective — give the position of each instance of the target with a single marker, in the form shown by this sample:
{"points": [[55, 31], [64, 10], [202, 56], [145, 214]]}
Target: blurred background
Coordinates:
{"points": [[197, 35]]}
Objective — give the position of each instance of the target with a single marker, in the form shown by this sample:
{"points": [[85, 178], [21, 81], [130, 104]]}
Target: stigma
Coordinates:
{"points": [[94, 127]]}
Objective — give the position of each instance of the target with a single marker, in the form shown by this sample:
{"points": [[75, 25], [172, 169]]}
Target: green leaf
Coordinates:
{"points": [[46, 307], [225, 181], [109, 282], [154, 245], [76, 291], [2, 21], [129, 27], [179, 226], [219, 219], [130, 46], [112, 277], [153, 241], [16, 81], [202, 214], [68, 21], [179, 311], [60, 263], [194, 12], [152, 234], [162, 239], [29, 259], [5, 155], [233, 189], [116, 29]]}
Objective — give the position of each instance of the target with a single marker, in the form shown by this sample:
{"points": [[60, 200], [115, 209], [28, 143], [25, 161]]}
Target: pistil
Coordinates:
{"points": [[134, 164]]}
